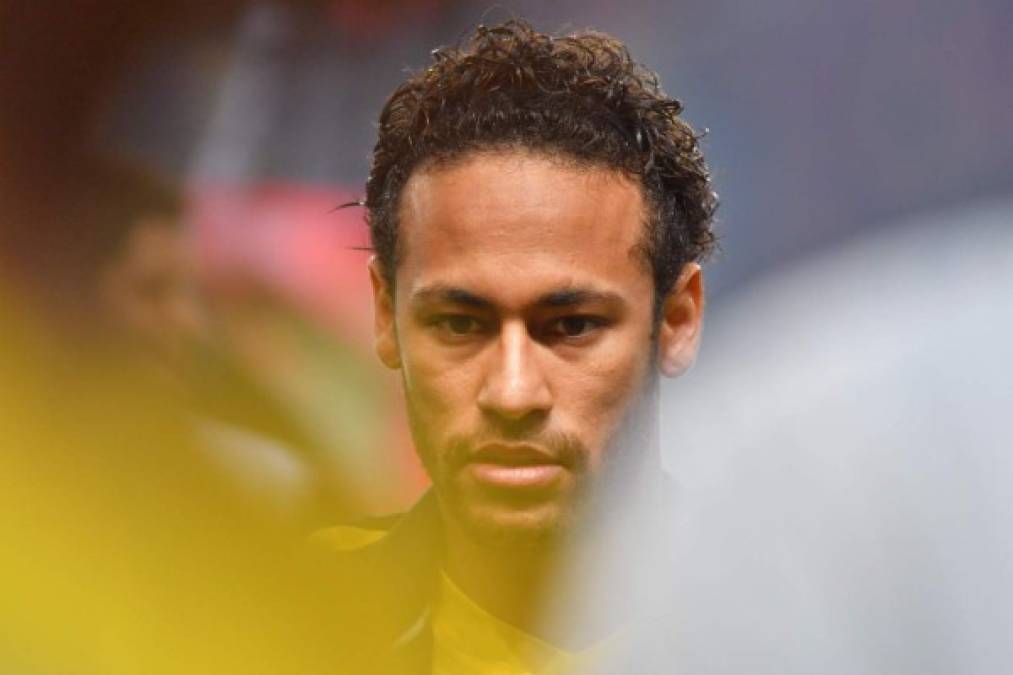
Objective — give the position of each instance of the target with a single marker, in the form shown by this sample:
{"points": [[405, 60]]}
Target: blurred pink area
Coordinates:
{"points": [[288, 240], [276, 254]]}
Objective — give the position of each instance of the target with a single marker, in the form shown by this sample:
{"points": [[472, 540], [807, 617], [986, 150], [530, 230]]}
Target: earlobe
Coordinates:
{"points": [[681, 322], [384, 330]]}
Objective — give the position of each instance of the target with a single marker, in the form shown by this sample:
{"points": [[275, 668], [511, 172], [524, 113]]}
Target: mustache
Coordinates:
{"points": [[553, 447]]}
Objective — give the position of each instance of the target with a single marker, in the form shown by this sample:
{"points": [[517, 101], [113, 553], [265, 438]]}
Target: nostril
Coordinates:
{"points": [[515, 427], [515, 402]]}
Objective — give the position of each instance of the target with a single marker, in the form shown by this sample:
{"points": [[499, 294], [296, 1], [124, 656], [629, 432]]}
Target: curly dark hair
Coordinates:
{"points": [[580, 97]]}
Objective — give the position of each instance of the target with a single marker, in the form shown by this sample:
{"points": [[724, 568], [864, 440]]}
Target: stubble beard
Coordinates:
{"points": [[530, 525]]}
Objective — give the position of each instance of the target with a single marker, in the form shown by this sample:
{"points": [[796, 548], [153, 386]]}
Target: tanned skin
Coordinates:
{"points": [[522, 321]]}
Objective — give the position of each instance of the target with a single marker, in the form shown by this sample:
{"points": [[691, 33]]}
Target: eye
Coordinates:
{"points": [[457, 326], [460, 325], [573, 327]]}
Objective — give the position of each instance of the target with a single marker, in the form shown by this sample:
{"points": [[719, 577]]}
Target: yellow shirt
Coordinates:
{"points": [[468, 640]]}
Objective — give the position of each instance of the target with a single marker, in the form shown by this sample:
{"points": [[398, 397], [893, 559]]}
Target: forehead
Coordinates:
{"points": [[507, 224]]}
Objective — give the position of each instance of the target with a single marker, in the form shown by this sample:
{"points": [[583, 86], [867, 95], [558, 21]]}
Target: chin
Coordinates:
{"points": [[513, 526]]}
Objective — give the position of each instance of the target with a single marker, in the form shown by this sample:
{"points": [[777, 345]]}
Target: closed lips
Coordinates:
{"points": [[513, 455]]}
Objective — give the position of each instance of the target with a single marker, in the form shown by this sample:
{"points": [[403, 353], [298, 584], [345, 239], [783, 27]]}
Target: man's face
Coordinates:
{"points": [[148, 291], [522, 324]]}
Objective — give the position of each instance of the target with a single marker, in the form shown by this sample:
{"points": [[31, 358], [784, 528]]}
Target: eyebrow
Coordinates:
{"points": [[566, 297], [451, 294], [576, 296]]}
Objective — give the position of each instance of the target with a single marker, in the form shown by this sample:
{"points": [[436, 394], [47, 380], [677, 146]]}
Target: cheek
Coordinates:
{"points": [[438, 387], [603, 389]]}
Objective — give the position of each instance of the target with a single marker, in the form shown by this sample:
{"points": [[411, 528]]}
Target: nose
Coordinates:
{"points": [[515, 386]]}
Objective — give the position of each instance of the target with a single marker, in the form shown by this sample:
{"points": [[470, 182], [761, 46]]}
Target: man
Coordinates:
{"points": [[537, 209], [143, 281], [140, 297]]}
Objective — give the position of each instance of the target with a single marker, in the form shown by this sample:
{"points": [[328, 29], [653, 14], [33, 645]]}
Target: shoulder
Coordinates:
{"points": [[387, 547], [356, 561], [378, 573], [366, 592], [347, 538]]}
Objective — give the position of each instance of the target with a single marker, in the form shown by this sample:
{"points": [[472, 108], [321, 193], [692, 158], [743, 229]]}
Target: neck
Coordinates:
{"points": [[574, 592]]}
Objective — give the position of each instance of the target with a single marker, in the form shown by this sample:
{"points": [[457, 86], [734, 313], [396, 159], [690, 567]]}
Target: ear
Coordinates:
{"points": [[384, 330], [681, 322]]}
